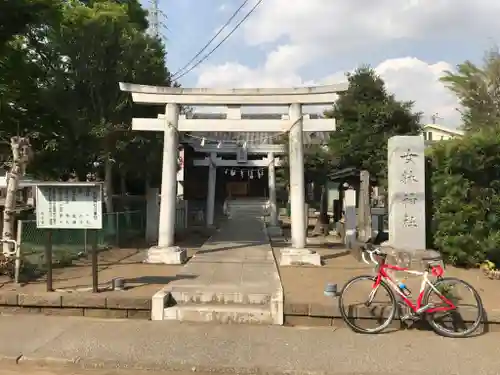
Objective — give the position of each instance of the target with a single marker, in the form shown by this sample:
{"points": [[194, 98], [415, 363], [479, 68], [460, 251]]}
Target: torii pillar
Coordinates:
{"points": [[166, 252]]}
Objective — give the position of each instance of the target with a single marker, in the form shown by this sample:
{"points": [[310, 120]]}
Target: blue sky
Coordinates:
{"points": [[301, 42]]}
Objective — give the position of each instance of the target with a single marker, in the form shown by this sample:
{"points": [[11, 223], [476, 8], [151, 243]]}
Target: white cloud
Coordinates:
{"points": [[301, 36], [233, 74], [415, 80], [409, 78], [364, 21]]}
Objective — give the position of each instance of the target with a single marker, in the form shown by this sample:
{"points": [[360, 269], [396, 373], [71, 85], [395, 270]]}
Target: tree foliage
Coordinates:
{"points": [[466, 198], [17, 16], [367, 116], [59, 86], [478, 90], [465, 174], [135, 12]]}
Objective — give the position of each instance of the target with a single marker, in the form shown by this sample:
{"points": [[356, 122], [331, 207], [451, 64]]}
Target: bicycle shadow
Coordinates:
{"points": [[423, 325]]}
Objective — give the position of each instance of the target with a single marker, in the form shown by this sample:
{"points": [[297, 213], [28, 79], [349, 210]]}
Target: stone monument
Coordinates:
{"points": [[406, 203]]}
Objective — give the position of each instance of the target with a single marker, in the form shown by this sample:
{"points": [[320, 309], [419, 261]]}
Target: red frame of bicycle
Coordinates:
{"points": [[435, 270]]}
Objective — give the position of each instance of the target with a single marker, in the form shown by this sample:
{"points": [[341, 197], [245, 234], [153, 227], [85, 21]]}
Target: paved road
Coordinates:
{"points": [[169, 346], [31, 370]]}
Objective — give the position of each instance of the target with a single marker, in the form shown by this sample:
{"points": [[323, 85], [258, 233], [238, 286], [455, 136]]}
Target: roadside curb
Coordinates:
{"points": [[83, 363], [321, 315]]}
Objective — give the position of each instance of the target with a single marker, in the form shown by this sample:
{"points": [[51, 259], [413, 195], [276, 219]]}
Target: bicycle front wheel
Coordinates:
{"points": [[365, 308], [469, 312]]}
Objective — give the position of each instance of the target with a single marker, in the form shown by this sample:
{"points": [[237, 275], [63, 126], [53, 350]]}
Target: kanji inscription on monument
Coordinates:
{"points": [[69, 205], [406, 185]]}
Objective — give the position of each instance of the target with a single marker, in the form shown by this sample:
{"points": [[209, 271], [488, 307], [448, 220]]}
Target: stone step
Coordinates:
{"points": [[247, 200], [246, 210], [245, 214], [217, 295], [240, 215], [248, 206], [222, 314]]}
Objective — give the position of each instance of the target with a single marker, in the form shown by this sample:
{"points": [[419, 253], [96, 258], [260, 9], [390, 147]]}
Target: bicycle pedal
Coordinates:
{"points": [[409, 317]]}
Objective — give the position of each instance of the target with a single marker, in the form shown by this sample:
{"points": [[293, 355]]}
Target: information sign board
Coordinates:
{"points": [[69, 205]]}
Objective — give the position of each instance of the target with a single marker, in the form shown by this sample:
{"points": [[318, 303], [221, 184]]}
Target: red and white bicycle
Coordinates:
{"points": [[439, 300]]}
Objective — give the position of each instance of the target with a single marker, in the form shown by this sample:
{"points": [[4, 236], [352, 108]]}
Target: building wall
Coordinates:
{"points": [[431, 133], [436, 135]]}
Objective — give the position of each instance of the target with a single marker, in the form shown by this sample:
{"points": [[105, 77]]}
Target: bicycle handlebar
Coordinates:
{"points": [[371, 253]]}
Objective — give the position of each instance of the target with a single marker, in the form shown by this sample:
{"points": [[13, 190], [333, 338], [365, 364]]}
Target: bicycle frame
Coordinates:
{"points": [[416, 307]]}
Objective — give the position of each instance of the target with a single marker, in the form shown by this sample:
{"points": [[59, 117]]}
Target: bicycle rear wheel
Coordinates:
{"points": [[370, 309], [468, 315]]}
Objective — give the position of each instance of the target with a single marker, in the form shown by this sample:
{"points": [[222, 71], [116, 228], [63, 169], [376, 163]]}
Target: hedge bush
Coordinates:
{"points": [[465, 189]]}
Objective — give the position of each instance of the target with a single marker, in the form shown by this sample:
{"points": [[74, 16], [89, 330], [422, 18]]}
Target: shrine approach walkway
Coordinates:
{"points": [[235, 267]]}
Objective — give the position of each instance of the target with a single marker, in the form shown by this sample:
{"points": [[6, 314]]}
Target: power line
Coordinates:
{"points": [[211, 40], [221, 42]]}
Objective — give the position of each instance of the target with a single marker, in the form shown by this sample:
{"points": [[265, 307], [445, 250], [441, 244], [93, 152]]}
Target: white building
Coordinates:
{"points": [[25, 190], [434, 132]]}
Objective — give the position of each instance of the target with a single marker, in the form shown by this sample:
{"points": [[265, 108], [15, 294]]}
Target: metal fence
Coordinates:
{"points": [[119, 228]]}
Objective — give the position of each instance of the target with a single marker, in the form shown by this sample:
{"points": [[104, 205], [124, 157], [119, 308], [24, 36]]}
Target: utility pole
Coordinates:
{"points": [[154, 20], [434, 117]]}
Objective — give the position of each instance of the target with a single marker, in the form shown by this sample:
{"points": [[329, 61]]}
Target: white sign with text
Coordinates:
{"points": [[69, 206]]}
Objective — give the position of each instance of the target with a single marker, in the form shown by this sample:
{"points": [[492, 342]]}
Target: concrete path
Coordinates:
{"points": [[233, 278], [233, 255], [240, 349]]}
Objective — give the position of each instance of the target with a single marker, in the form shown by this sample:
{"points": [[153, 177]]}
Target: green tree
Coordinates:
{"points": [[24, 81], [478, 90], [17, 16], [367, 116], [98, 46], [465, 183], [136, 13], [59, 87]]}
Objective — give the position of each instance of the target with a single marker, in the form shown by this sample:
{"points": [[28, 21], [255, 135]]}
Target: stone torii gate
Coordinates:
{"points": [[166, 252]]}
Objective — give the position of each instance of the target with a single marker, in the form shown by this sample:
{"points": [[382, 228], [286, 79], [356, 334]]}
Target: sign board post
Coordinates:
{"points": [[69, 205]]}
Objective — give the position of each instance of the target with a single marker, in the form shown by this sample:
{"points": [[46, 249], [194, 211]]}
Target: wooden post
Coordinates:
{"points": [[95, 270], [48, 260]]}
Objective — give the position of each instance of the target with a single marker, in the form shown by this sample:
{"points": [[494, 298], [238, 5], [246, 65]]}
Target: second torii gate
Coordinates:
{"points": [[269, 162], [166, 252]]}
